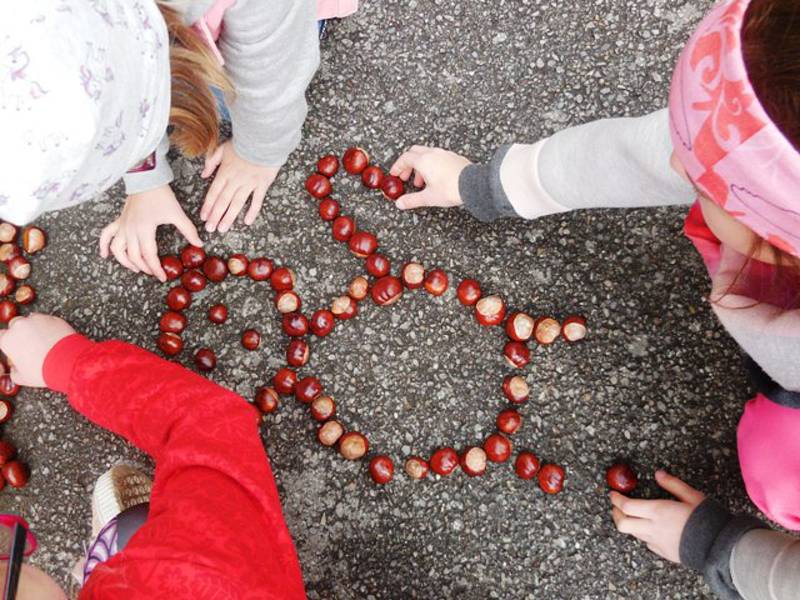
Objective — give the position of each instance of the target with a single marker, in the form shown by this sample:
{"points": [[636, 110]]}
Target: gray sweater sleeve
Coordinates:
{"points": [[144, 181]]}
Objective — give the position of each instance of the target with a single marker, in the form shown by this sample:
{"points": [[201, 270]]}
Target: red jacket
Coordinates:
{"points": [[215, 528]]}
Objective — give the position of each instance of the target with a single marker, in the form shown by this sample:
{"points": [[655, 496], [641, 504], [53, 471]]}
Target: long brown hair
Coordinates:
{"points": [[194, 116]]}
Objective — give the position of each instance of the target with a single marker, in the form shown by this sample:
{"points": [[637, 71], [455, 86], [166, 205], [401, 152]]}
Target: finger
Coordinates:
{"points": [[212, 196], [108, 233], [255, 204], [220, 207], [184, 224], [682, 491], [643, 509], [419, 179], [118, 247], [404, 165], [638, 528], [212, 162], [18, 378], [150, 256], [238, 201], [135, 253], [419, 199]]}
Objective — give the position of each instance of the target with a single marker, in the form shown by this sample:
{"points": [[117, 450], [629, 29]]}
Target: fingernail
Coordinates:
{"points": [[209, 227]]}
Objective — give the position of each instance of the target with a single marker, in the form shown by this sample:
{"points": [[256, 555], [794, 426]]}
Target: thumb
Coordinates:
{"points": [[426, 197], [189, 231], [212, 162], [681, 490]]}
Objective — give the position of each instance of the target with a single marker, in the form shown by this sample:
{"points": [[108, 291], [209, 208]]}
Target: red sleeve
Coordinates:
{"points": [[215, 528]]}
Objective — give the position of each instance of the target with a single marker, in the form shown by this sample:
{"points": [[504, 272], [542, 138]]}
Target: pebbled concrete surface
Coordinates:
{"points": [[658, 381]]}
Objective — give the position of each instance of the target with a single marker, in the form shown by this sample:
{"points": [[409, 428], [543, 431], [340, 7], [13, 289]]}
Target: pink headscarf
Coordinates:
{"points": [[724, 138]]}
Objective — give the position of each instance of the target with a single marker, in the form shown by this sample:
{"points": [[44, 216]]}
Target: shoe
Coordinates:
{"points": [[116, 490]]}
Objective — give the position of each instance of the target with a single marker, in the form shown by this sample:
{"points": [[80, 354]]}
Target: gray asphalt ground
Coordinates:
{"points": [[658, 381]]}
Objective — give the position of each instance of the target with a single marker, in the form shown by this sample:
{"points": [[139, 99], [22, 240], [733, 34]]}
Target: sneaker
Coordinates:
{"points": [[119, 488]]}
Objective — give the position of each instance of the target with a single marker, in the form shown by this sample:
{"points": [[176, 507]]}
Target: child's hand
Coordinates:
{"points": [[132, 237], [438, 170], [658, 523], [236, 180], [26, 343]]}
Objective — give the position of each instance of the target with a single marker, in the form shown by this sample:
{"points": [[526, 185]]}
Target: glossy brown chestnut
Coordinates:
{"points": [[215, 269], [381, 469], [413, 275], [574, 328], [546, 330], [8, 310], [281, 279], [526, 465], [551, 478], [509, 421], [355, 160], [497, 447], [25, 294], [416, 467], [8, 232], [358, 288], [519, 327], [170, 343], [328, 209], [8, 251], [194, 280], [321, 323], [473, 461], [468, 292], [329, 433], [179, 298], [323, 408], [287, 301], [377, 265], [343, 228], [295, 324], [7, 284], [372, 177], [218, 314], [297, 353], [490, 310], [205, 359], [517, 354], [33, 240], [251, 339], [192, 257], [444, 461], [284, 381], [344, 307], [7, 386], [387, 290], [328, 165], [436, 282], [6, 410], [392, 187], [16, 474], [237, 265], [353, 445], [308, 389], [172, 322], [259, 269], [362, 244], [266, 400], [318, 185], [19, 268], [621, 477], [173, 267], [7, 452]]}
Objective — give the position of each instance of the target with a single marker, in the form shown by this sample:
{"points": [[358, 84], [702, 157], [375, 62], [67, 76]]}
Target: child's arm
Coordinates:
{"points": [[611, 163]]}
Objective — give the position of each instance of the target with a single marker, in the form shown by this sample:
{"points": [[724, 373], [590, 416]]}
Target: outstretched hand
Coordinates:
{"points": [[27, 342], [436, 169]]}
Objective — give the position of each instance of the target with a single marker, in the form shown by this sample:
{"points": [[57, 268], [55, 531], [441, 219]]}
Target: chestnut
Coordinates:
{"points": [[170, 343], [328, 209], [329, 433], [297, 353], [416, 468], [295, 324], [33, 239], [546, 330], [194, 280], [358, 288], [318, 185], [251, 339], [622, 478], [8, 310], [308, 389], [323, 408], [192, 257], [387, 290], [517, 354], [259, 269], [490, 310], [8, 251], [344, 307], [551, 478], [284, 381], [574, 328], [25, 294], [205, 359], [8, 232], [7, 386], [6, 410], [473, 461], [372, 177], [444, 461], [237, 265], [266, 400], [7, 452], [436, 282], [172, 322], [413, 275], [19, 268], [353, 445], [281, 279], [343, 228], [321, 323], [173, 267], [287, 301], [355, 160], [328, 165], [15, 473], [392, 187], [215, 269], [468, 292], [509, 421], [362, 244], [381, 469], [179, 298], [377, 265], [526, 465], [497, 447], [7, 284], [218, 314], [519, 327]]}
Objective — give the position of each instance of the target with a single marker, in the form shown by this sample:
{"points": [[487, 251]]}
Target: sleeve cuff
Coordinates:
{"points": [[60, 361], [482, 191], [144, 181]]}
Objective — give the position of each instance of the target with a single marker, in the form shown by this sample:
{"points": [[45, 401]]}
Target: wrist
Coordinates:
{"points": [[61, 359]]}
